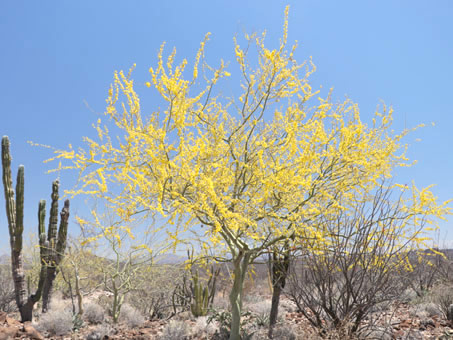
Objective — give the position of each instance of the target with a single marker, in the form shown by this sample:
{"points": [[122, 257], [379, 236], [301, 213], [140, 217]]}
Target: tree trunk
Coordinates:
{"points": [[279, 272], [274, 309], [18, 277], [240, 263], [78, 293], [25, 306], [48, 288], [26, 310]]}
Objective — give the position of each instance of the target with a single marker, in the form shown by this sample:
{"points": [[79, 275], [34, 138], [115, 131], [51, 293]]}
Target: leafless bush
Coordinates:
{"points": [[424, 270], [7, 302], [154, 297], [131, 316], [445, 268], [336, 286], [176, 330], [93, 313]]}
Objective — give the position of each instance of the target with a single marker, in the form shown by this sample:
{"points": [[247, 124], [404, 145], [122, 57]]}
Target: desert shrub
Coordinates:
{"points": [[445, 270], [93, 313], [221, 302], [287, 306], [56, 322], [261, 312], [100, 332], [338, 285], [432, 309], [223, 320], [106, 301], [176, 330], [408, 295], [7, 298], [204, 329], [154, 298], [284, 332], [424, 270], [131, 316], [442, 297]]}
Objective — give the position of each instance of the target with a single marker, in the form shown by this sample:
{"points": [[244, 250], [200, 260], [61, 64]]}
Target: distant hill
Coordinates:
{"points": [[5, 259], [169, 259]]}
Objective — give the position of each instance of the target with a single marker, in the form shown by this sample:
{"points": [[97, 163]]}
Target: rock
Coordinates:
{"points": [[8, 333], [9, 328], [31, 332], [427, 323], [3, 316]]}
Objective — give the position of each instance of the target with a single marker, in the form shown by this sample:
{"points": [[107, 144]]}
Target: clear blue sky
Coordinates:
{"points": [[58, 55]]}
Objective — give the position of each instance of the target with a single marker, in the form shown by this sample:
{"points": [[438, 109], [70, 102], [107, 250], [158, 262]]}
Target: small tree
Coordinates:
{"points": [[77, 273], [122, 264], [52, 247], [254, 169]]}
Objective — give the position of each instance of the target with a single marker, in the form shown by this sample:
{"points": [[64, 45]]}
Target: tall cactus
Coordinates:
{"points": [[55, 246], [51, 250], [199, 307], [15, 228]]}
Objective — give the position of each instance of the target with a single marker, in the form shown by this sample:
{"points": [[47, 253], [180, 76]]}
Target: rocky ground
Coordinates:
{"points": [[399, 323]]}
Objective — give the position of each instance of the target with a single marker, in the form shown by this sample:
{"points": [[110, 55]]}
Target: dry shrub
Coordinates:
{"points": [[7, 299], [176, 330], [131, 316], [204, 329], [261, 312], [442, 297], [56, 322], [284, 332], [100, 332], [221, 302], [93, 313], [154, 298], [339, 284]]}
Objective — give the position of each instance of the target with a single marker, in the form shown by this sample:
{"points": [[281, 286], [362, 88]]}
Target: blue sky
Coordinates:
{"points": [[58, 57]]}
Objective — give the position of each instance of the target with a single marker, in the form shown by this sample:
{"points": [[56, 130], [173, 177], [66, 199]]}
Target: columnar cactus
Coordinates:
{"points": [[54, 246], [199, 307], [51, 250], [15, 227], [203, 296]]}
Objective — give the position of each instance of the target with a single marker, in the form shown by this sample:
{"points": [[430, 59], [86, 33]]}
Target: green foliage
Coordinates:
{"points": [[224, 319], [77, 322], [201, 297]]}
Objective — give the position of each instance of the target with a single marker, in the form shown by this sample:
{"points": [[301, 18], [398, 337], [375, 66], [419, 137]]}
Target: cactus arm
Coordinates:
{"points": [[43, 244], [8, 188], [15, 237], [200, 296], [53, 220], [42, 228], [62, 231], [19, 207]]}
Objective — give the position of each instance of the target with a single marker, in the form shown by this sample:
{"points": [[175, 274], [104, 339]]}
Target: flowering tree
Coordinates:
{"points": [[254, 170]]}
